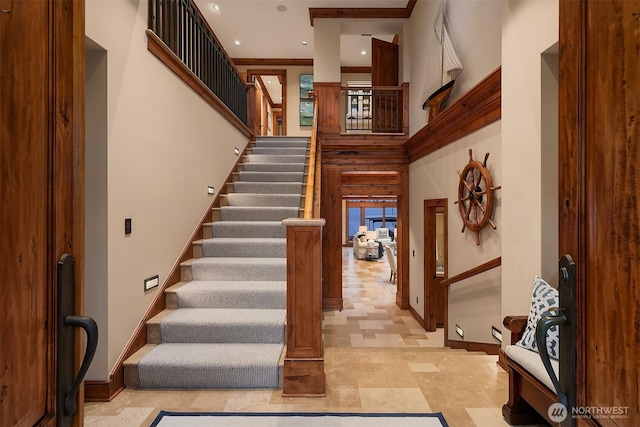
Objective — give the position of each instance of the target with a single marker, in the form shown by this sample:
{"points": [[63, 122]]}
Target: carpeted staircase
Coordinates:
{"points": [[224, 322]]}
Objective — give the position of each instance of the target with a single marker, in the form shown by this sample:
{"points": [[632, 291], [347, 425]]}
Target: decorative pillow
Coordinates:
{"points": [[543, 298]]}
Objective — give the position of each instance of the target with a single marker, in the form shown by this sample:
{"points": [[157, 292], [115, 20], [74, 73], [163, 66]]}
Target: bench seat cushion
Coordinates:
{"points": [[531, 362]]}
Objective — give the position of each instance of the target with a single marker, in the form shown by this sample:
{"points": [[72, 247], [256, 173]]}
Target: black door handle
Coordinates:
{"points": [[91, 328], [68, 383], [546, 322]]}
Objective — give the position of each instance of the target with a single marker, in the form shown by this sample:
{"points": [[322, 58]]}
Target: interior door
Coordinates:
{"points": [[599, 152], [435, 232], [384, 72], [40, 131]]}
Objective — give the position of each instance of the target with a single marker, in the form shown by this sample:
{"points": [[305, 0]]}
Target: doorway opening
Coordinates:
{"points": [[270, 101], [435, 263]]}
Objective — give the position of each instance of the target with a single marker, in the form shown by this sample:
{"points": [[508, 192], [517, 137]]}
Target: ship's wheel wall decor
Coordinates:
{"points": [[475, 196]]}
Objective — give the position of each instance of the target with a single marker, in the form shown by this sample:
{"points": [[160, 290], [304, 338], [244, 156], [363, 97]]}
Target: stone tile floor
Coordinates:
{"points": [[377, 359]]}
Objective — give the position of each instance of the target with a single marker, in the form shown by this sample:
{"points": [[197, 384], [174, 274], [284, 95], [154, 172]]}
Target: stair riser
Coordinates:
{"points": [[265, 188], [246, 333], [265, 158], [262, 200], [248, 249], [284, 144], [227, 229], [214, 378], [265, 214], [250, 176], [240, 300], [234, 272], [276, 151], [273, 167]]}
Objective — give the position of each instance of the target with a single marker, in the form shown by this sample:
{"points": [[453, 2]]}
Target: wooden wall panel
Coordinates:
{"points": [[331, 211], [329, 106], [478, 107]]}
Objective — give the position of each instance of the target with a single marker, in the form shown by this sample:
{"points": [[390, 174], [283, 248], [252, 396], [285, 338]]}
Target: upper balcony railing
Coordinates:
{"points": [[372, 109], [181, 26]]}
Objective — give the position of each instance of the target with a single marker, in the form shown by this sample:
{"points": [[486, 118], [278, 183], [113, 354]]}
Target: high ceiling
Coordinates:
{"points": [[264, 31]]}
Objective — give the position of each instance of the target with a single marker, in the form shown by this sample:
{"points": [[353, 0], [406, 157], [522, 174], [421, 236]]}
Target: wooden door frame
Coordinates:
{"points": [[282, 76], [430, 208]]}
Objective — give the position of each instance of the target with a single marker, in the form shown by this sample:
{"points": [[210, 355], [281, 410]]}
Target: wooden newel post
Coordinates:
{"points": [[304, 358]]}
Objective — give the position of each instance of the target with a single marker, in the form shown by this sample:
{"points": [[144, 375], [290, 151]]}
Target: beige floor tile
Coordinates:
{"points": [[377, 359], [393, 400]]}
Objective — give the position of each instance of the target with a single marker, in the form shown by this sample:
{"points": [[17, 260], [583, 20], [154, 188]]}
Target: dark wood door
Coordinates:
{"points": [[39, 133], [434, 293], [384, 72], [599, 225]]}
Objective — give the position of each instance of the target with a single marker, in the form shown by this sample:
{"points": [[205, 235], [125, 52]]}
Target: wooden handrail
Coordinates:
{"points": [[312, 176], [472, 272]]}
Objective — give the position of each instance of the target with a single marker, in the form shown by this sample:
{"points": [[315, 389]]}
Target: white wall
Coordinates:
{"points": [[164, 146], [474, 304], [529, 28], [476, 30], [475, 26]]}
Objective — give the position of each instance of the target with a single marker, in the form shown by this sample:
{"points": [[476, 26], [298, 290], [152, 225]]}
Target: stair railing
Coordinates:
{"points": [[472, 272], [182, 28], [312, 190]]}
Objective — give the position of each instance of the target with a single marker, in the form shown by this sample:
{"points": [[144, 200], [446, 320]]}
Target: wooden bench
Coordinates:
{"points": [[529, 398]]}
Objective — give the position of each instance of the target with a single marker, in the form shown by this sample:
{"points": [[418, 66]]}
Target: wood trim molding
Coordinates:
{"points": [[472, 272], [168, 58], [362, 12], [489, 348], [103, 391], [416, 316], [480, 106], [107, 390], [355, 69], [273, 62]]}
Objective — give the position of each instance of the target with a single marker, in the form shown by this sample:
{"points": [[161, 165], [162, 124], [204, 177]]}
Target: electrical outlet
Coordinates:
{"points": [[151, 283], [459, 331], [497, 333]]}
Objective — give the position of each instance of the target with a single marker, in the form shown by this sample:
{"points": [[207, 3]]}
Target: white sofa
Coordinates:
{"points": [[365, 247]]}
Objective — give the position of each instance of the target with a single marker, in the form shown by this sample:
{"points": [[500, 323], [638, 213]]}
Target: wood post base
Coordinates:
{"points": [[304, 378]]}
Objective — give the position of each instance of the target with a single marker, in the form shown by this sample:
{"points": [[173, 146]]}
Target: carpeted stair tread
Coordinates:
{"points": [[245, 247], [243, 229], [280, 151], [254, 176], [233, 294], [223, 325], [258, 213], [282, 144], [253, 199], [239, 269], [268, 187], [274, 167], [268, 158], [210, 366]]}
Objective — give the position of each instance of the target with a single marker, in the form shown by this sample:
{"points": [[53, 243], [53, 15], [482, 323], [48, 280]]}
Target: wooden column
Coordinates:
{"points": [[304, 358], [328, 95]]}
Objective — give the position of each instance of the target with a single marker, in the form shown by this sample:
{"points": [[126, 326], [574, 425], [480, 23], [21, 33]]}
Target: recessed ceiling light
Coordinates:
{"points": [[281, 8], [364, 52], [237, 42], [269, 81], [304, 43], [216, 7]]}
